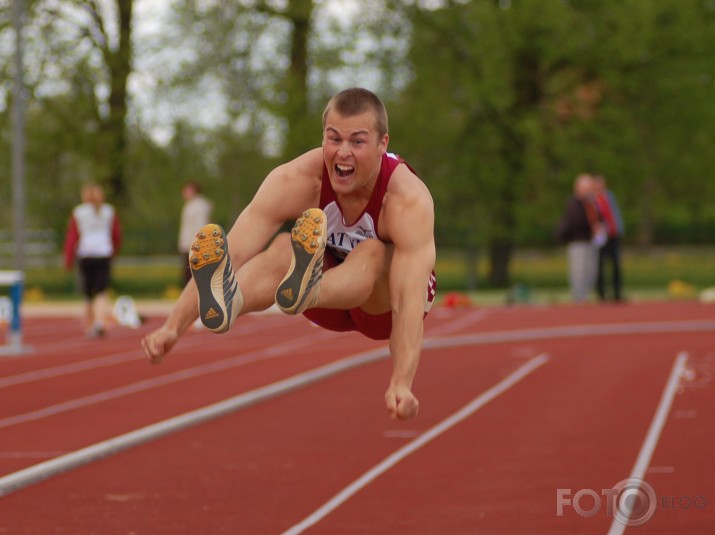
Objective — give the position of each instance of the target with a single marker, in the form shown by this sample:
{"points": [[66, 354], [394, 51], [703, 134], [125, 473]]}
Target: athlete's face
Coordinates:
{"points": [[352, 150]]}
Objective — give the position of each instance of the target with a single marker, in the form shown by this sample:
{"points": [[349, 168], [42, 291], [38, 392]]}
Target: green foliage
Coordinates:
{"points": [[542, 270], [497, 109], [510, 104], [547, 268]]}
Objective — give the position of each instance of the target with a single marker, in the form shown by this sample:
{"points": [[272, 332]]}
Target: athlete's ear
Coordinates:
{"points": [[384, 142]]}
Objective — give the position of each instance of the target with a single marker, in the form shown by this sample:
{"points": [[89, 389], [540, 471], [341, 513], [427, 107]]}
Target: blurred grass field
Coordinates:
{"points": [[655, 273], [540, 276]]}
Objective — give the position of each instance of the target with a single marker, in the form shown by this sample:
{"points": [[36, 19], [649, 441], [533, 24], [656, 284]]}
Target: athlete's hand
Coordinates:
{"points": [[401, 402], [157, 343]]}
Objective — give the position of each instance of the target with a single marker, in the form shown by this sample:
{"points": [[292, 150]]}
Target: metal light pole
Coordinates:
{"points": [[15, 279], [18, 143]]}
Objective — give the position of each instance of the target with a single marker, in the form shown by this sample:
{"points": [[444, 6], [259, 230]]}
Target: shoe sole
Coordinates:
{"points": [[211, 268], [308, 238]]}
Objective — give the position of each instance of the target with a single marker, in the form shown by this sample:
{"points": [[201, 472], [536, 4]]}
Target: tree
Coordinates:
{"points": [[524, 95], [89, 43], [498, 105], [657, 115], [489, 80]]}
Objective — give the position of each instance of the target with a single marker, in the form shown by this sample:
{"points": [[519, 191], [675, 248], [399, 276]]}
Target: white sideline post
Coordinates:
{"points": [[15, 280]]}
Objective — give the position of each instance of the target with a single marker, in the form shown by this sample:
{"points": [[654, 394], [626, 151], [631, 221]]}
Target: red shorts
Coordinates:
{"points": [[375, 326]]}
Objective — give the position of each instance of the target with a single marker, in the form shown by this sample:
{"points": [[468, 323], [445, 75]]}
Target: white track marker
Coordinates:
{"points": [[125, 312], [372, 474], [653, 435]]}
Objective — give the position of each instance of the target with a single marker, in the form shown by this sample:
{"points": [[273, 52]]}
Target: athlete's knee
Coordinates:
{"points": [[281, 240], [276, 256], [376, 250], [280, 245], [375, 257]]}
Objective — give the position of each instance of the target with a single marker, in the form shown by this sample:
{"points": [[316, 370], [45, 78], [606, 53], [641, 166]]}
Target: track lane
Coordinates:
{"points": [[519, 351], [680, 469], [575, 425], [293, 439], [277, 425], [76, 429], [63, 434]]}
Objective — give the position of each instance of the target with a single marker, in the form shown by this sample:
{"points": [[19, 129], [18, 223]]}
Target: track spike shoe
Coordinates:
{"points": [[220, 298], [300, 287]]}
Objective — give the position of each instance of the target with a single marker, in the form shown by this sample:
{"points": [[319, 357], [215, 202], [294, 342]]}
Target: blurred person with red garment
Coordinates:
{"points": [[581, 230], [610, 252], [93, 238]]}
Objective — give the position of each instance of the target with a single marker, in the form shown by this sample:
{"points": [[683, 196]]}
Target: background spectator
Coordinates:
{"points": [[579, 229], [93, 237], [195, 213], [610, 252]]}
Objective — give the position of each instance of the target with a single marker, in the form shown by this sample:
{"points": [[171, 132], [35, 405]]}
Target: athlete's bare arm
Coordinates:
{"points": [[407, 221], [284, 194]]}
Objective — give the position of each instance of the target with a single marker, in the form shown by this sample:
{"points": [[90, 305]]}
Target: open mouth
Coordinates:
{"points": [[344, 171]]}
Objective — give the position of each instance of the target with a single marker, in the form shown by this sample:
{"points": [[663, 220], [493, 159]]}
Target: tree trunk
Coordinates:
{"points": [[527, 86], [300, 121], [499, 259], [471, 261], [119, 65], [646, 230]]}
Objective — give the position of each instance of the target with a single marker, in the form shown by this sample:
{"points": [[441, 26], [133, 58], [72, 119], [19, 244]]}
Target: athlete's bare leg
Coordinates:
{"points": [[360, 281], [259, 277]]}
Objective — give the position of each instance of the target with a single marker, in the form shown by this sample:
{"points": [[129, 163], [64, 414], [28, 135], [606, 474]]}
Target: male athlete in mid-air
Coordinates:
{"points": [[359, 258]]}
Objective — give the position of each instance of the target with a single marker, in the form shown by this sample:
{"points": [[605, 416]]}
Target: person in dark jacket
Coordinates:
{"points": [[582, 231]]}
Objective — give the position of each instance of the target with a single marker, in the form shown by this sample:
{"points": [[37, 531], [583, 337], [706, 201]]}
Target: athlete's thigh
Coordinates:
{"points": [[381, 254]]}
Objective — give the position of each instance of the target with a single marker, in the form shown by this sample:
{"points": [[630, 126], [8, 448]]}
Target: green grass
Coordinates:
{"points": [[647, 274], [642, 269], [149, 278], [541, 275]]}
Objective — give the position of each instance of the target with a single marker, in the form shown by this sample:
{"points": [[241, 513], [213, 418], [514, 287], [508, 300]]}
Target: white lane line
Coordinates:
{"points": [[36, 473], [473, 339], [109, 360], [33, 474], [457, 324], [66, 369], [169, 378], [127, 356], [618, 525], [577, 331], [372, 474], [455, 340]]}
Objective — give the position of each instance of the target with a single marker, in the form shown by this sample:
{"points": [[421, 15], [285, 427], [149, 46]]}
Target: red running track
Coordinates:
{"points": [[527, 415]]}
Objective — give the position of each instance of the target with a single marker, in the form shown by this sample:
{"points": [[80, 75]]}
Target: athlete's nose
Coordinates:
{"points": [[344, 150]]}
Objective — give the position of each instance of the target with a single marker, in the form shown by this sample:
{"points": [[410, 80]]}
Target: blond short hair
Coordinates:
{"points": [[356, 100]]}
